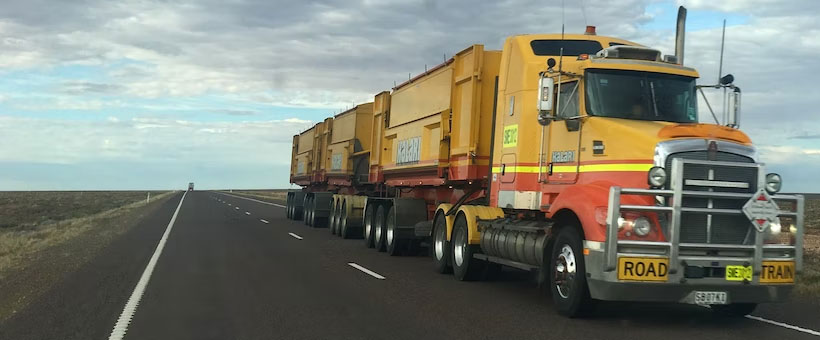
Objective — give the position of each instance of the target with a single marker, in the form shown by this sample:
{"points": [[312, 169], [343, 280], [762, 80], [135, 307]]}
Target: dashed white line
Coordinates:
{"points": [[295, 236], [131, 305], [247, 213], [237, 208], [229, 204], [784, 325], [257, 201], [365, 270], [263, 221]]}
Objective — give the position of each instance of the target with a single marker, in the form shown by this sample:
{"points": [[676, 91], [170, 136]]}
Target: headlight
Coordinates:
{"points": [[773, 183], [657, 176], [641, 226]]}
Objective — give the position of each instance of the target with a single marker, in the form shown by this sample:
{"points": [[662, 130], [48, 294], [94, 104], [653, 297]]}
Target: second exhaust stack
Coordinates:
{"points": [[680, 34]]}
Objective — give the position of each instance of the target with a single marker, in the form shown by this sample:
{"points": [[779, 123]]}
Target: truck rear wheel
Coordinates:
{"points": [[734, 310], [369, 219], [567, 272], [465, 267], [378, 233], [311, 213], [441, 247], [391, 240]]}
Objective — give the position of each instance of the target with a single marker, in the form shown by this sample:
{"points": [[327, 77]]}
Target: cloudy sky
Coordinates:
{"points": [[98, 94]]}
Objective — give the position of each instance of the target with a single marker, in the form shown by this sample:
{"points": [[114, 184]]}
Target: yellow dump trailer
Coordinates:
{"points": [[310, 153], [381, 109], [439, 124], [350, 145]]}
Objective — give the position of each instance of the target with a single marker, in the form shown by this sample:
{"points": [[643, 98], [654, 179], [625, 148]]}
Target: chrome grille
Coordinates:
{"points": [[721, 229]]}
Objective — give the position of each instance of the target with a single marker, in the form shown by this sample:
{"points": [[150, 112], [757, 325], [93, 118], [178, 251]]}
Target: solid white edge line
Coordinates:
{"points": [[784, 325], [248, 213], [134, 300], [365, 270], [251, 199], [263, 221], [295, 236]]}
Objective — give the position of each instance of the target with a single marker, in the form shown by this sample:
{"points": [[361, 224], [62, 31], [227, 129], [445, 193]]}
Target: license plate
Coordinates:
{"points": [[710, 298], [777, 272], [643, 268], [738, 273]]}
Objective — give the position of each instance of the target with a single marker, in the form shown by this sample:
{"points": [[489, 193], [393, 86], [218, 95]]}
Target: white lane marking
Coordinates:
{"points": [[229, 204], [784, 325], [258, 201], [131, 306], [295, 236], [237, 208], [365, 270], [263, 221], [247, 213]]}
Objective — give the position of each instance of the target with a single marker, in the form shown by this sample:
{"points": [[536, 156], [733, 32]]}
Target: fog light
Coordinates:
{"points": [[657, 177], [773, 183], [641, 226]]}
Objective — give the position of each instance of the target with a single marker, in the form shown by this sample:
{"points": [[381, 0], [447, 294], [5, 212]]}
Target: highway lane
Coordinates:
{"points": [[228, 273]]}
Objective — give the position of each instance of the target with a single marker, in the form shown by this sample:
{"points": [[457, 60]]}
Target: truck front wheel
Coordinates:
{"points": [[567, 272]]}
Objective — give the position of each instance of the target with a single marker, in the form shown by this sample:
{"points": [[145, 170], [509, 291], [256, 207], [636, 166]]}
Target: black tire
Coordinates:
{"points": [[392, 243], [306, 214], [572, 298], [333, 219], [440, 246], [378, 236], [344, 232], [734, 310], [465, 267], [309, 220], [369, 221], [288, 207]]}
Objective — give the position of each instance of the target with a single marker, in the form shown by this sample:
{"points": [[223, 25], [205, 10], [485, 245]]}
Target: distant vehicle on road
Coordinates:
{"points": [[191, 186]]}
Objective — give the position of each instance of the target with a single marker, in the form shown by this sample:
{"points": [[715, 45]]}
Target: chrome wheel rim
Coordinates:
{"points": [[565, 270], [389, 233], [439, 243], [460, 247], [378, 236]]}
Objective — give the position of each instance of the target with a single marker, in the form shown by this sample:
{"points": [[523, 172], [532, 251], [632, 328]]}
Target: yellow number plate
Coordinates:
{"points": [[643, 268], [738, 273], [777, 272]]}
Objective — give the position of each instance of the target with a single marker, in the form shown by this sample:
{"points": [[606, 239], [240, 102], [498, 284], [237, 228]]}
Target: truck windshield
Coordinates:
{"points": [[641, 96]]}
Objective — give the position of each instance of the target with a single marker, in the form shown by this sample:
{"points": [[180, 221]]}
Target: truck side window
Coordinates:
{"points": [[569, 100]]}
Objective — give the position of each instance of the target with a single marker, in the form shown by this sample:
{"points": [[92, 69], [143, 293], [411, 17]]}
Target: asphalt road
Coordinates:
{"points": [[226, 274]]}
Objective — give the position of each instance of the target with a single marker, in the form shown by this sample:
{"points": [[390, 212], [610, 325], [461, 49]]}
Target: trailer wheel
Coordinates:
{"points": [[391, 240], [306, 210], [378, 233], [465, 267], [333, 219], [441, 247], [567, 272], [734, 310], [309, 219], [344, 232], [369, 215], [287, 207]]}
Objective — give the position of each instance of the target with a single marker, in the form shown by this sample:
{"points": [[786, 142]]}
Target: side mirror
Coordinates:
{"points": [[733, 116], [545, 95]]}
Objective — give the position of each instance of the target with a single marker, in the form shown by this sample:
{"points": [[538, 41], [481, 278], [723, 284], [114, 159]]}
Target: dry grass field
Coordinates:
{"points": [[274, 195], [809, 282], [35, 220]]}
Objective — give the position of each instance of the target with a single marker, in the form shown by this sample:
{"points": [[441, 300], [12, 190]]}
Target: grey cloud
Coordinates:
{"points": [[815, 136], [84, 87]]}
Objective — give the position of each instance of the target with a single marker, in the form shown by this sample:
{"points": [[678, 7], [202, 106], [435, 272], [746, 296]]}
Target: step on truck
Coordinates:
{"points": [[578, 157]]}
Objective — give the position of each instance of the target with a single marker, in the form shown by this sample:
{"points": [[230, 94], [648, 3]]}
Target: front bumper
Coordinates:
{"points": [[602, 259]]}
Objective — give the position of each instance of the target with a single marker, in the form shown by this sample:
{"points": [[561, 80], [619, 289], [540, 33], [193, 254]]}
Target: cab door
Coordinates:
{"points": [[565, 135]]}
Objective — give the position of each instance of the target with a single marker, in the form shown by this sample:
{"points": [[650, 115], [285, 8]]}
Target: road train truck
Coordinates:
{"points": [[578, 157]]}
